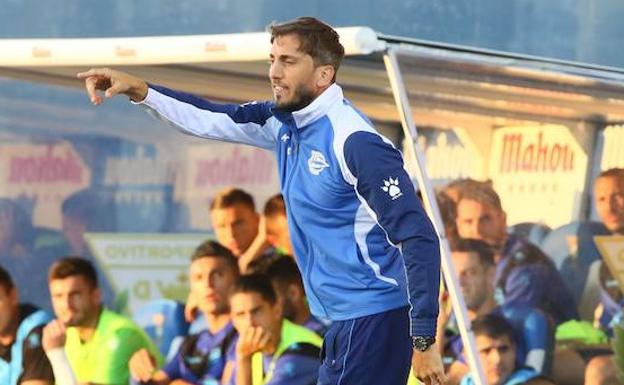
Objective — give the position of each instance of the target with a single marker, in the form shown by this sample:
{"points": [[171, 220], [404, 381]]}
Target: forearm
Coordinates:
{"points": [[422, 261], [63, 373], [244, 124], [243, 371]]}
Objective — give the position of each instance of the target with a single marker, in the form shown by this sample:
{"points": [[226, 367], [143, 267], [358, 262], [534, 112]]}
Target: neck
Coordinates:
{"points": [[302, 315], [216, 322], [7, 337], [499, 249], [87, 330], [277, 334], [486, 308]]}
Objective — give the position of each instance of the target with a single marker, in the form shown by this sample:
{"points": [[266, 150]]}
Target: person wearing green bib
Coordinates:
{"points": [[87, 343], [270, 349]]}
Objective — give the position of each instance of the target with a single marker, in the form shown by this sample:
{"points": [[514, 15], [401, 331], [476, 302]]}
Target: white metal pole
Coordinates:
{"points": [[431, 205]]}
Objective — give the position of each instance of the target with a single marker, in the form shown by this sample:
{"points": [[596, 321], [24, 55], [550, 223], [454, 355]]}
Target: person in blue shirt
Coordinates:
{"points": [[524, 274], [286, 280], [368, 253], [22, 359], [201, 358], [270, 350], [495, 342]]}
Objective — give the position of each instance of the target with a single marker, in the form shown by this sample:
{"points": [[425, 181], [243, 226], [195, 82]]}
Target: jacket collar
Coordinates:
{"points": [[315, 110]]}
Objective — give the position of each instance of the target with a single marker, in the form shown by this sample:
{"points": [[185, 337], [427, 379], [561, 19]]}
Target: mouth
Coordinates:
{"points": [[211, 298], [278, 90]]}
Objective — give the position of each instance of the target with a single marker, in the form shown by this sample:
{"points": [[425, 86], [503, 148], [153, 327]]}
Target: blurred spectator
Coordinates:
{"points": [[609, 199], [494, 338], [276, 225], [237, 225], [22, 359], [88, 343], [270, 350], [17, 237], [474, 264], [609, 203], [201, 358], [524, 274], [286, 280]]}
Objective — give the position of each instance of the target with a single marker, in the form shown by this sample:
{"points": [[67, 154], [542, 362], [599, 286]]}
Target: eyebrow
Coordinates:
{"points": [[285, 56]]}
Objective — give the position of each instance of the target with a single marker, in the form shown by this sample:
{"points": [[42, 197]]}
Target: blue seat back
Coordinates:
{"points": [[574, 240], [573, 250], [531, 231], [535, 337], [163, 320]]}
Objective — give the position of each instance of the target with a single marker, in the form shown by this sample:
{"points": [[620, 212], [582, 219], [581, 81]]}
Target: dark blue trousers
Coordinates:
{"points": [[371, 350]]}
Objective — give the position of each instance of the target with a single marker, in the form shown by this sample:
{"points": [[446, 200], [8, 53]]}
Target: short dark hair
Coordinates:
{"points": [[274, 206], [256, 283], [493, 326], [479, 247], [614, 172], [213, 249], [72, 266], [317, 39], [284, 270], [232, 196], [5, 280]]}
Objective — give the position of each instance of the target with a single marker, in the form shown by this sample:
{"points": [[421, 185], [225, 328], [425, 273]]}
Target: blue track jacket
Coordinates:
{"points": [[350, 203]]}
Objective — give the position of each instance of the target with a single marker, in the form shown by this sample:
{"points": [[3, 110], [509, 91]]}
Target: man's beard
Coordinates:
{"points": [[302, 98]]}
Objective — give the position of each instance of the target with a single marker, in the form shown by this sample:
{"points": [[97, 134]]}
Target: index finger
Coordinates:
{"points": [[93, 72]]}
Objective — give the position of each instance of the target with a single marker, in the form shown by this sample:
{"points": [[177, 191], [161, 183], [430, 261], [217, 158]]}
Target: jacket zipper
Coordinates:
{"points": [[295, 162]]}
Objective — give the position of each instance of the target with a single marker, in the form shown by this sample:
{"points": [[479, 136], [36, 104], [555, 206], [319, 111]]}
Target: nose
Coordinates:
{"points": [[471, 229], [275, 70], [245, 321], [63, 302], [210, 282], [495, 357], [613, 205]]}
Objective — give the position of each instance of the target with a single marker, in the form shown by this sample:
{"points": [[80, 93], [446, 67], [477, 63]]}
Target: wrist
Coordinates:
{"points": [[422, 343], [138, 92], [243, 357]]}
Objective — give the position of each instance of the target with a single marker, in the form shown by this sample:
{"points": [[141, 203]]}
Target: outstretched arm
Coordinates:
{"points": [[250, 123]]}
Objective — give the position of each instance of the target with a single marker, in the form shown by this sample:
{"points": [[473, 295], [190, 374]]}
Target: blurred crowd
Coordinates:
{"points": [[544, 306]]}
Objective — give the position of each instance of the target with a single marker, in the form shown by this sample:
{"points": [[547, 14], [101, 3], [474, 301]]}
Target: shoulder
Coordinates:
{"points": [[33, 338], [116, 327], [520, 376]]}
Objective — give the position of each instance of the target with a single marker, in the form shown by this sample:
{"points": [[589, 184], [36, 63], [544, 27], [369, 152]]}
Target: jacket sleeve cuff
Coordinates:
{"points": [[423, 327]]}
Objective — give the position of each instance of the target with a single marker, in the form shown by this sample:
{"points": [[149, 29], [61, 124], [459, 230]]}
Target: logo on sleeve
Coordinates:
{"points": [[317, 162], [391, 186]]}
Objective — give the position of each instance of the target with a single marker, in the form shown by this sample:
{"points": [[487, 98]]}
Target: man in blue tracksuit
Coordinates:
{"points": [[352, 209]]}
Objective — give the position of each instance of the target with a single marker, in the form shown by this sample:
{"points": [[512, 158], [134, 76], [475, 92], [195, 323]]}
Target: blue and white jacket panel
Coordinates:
{"points": [[350, 203], [10, 372]]}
